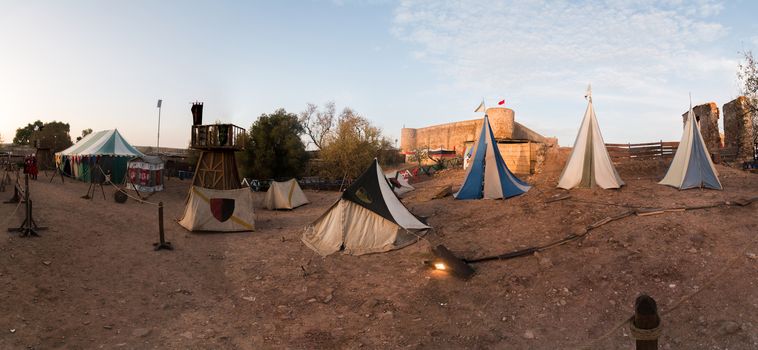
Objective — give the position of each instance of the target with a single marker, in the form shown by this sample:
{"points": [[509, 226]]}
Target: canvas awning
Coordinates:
{"points": [[102, 143]]}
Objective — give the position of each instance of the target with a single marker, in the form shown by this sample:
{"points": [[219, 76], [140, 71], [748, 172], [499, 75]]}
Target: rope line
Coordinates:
{"points": [[8, 219], [127, 194]]}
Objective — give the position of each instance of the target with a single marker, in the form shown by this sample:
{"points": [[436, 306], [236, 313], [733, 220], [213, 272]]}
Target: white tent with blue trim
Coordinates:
{"points": [[487, 175], [692, 166]]}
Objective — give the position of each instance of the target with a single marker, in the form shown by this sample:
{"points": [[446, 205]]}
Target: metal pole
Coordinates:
{"points": [[158, 144]]}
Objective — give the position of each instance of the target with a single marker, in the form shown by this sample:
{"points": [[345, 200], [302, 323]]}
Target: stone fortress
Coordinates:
{"points": [[523, 149]]}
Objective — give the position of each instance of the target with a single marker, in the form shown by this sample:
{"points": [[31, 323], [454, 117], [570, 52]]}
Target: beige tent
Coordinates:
{"points": [[368, 218], [692, 166], [284, 195], [219, 210], [589, 164]]}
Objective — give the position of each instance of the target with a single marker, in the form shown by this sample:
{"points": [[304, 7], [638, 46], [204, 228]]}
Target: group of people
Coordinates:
{"points": [[30, 167]]}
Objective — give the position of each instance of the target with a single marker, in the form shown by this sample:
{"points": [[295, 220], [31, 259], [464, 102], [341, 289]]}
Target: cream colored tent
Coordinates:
{"points": [[589, 164], [284, 195], [219, 210], [692, 166], [368, 218]]}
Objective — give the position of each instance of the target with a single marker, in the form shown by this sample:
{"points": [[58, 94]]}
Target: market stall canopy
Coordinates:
{"points": [[102, 143]]}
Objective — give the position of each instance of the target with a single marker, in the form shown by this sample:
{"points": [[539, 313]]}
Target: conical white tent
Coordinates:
{"points": [[488, 176], [692, 166], [368, 218], [284, 195], [589, 164]]}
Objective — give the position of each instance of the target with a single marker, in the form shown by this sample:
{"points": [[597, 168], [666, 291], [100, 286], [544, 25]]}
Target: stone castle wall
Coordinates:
{"points": [[738, 128], [523, 150], [457, 134]]}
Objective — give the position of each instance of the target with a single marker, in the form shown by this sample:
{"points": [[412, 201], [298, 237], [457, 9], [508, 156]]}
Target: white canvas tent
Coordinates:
{"points": [[219, 210], [368, 218], [692, 166], [284, 195], [399, 182], [589, 164]]}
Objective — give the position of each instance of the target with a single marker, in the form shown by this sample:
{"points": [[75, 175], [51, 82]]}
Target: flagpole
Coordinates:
{"points": [[158, 143]]}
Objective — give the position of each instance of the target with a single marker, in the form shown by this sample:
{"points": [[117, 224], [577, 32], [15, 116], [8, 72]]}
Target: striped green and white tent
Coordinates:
{"points": [[106, 149]]}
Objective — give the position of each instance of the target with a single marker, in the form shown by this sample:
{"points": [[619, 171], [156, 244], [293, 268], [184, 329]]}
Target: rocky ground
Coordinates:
{"points": [[92, 279]]}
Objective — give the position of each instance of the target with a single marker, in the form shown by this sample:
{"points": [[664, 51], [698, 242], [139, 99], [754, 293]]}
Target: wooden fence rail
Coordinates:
{"points": [[619, 151]]}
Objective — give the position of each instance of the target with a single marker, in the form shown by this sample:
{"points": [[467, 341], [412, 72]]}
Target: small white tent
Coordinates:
{"points": [[589, 164], [368, 218], [284, 195], [692, 166], [219, 210], [399, 182]]}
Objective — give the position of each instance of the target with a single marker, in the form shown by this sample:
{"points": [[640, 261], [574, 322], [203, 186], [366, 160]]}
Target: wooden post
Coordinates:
{"points": [[647, 321], [162, 244]]}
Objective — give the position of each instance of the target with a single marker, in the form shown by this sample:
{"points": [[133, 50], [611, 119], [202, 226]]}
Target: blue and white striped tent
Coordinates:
{"points": [[106, 148], [487, 175]]}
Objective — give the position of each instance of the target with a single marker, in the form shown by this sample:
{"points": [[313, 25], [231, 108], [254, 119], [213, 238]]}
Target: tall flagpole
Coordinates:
{"points": [[158, 144]]}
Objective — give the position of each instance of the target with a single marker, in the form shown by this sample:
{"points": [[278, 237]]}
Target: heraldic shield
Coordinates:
{"points": [[222, 208]]}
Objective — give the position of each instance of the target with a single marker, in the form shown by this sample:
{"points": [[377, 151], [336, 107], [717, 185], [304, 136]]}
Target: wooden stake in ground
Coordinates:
{"points": [[162, 244], [29, 227], [646, 324]]}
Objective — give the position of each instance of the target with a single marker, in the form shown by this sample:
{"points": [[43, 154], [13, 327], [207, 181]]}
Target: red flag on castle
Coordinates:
{"points": [[502, 102]]}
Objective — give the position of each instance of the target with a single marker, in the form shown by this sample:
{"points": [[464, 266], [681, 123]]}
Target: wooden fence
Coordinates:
{"points": [[621, 151]]}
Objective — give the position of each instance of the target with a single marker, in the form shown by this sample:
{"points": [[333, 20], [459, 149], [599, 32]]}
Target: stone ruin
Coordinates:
{"points": [[707, 115], [738, 128], [737, 142]]}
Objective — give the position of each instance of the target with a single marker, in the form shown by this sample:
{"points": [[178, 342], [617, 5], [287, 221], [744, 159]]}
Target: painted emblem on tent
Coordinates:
{"points": [[363, 195], [222, 208]]}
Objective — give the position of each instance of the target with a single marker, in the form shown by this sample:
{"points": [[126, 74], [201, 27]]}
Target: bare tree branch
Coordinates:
{"points": [[318, 124]]}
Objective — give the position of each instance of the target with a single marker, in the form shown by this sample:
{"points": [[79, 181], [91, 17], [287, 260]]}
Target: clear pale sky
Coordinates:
{"points": [[103, 64]]}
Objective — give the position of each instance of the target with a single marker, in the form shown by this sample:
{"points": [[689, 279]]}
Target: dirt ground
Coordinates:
{"points": [[93, 281]]}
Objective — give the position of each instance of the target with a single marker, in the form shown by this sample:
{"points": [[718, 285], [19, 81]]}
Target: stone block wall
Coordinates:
{"points": [[457, 134], [738, 128], [708, 116]]}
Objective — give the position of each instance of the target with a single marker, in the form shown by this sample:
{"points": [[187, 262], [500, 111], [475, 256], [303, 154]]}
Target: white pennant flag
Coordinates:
{"points": [[480, 108]]}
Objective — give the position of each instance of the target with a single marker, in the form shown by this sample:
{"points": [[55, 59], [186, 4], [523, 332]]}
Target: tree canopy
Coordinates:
{"points": [[351, 147], [274, 149], [85, 132], [747, 74], [53, 135]]}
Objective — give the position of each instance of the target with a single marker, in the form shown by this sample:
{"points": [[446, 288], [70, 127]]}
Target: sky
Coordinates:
{"points": [[104, 64]]}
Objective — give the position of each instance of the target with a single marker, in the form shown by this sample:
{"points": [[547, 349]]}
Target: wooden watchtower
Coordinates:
{"points": [[216, 168]]}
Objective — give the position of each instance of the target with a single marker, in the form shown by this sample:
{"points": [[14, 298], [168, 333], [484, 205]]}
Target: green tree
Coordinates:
{"points": [[53, 135], [274, 148], [24, 135], [85, 132], [747, 74], [353, 145]]}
